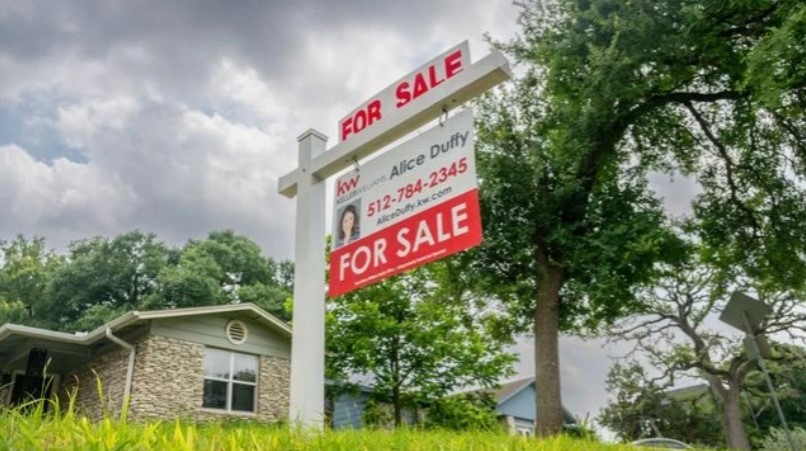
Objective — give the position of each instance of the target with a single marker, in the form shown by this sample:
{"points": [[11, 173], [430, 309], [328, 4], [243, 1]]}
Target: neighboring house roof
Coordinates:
{"points": [[511, 400], [689, 392], [511, 389], [693, 393], [349, 386], [16, 340]]}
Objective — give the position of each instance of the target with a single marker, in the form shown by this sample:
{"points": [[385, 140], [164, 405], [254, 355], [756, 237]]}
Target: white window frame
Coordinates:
{"points": [[231, 380]]}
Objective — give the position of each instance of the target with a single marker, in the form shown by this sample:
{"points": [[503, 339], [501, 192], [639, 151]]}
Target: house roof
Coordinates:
{"points": [[511, 389], [691, 392], [135, 316], [16, 340]]}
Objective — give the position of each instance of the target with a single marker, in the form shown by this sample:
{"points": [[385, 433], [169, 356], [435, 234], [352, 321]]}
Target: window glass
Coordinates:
{"points": [[245, 368], [243, 397], [215, 394], [230, 380], [216, 363]]}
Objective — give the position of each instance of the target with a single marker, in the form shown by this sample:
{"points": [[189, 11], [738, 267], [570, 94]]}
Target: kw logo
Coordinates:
{"points": [[347, 185]]}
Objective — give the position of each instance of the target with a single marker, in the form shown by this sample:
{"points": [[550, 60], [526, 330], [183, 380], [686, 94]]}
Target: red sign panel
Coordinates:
{"points": [[440, 231]]}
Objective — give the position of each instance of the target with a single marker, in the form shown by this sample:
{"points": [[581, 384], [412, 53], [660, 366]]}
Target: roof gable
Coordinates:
{"points": [[517, 399], [260, 315], [511, 389], [135, 316]]}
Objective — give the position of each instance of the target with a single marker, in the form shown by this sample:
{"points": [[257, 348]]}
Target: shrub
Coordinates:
{"points": [[777, 439], [467, 411]]}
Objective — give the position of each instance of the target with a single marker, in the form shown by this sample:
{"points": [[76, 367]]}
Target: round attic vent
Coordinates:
{"points": [[236, 332]]}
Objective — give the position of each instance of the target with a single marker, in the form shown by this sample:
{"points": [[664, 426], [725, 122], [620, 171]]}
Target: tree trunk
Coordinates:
{"points": [[396, 403], [548, 402], [396, 375], [734, 428]]}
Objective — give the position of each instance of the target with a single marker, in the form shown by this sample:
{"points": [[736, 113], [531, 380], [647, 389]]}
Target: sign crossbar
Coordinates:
{"points": [[482, 75]]}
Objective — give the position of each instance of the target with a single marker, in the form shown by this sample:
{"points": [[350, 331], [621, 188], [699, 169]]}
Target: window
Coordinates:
{"points": [[230, 380]]}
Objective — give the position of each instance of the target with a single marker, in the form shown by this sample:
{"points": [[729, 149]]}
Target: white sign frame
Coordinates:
{"points": [[307, 183]]}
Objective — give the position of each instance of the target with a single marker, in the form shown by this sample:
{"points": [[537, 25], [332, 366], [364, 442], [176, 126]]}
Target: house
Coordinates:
{"points": [[346, 409], [198, 363], [515, 404]]}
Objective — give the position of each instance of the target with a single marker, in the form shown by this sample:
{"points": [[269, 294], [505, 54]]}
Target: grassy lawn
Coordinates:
{"points": [[35, 431]]}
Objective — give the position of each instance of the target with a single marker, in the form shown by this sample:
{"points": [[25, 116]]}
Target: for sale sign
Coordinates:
{"points": [[412, 205], [405, 92]]}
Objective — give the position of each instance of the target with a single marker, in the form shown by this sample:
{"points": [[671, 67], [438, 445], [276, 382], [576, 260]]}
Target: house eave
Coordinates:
{"points": [[9, 329], [81, 344]]}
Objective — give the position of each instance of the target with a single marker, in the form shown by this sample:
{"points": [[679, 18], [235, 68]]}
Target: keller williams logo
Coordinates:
{"points": [[347, 185]]}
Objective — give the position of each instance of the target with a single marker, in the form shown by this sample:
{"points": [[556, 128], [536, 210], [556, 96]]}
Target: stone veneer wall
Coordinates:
{"points": [[109, 370], [274, 387], [164, 385], [168, 383]]}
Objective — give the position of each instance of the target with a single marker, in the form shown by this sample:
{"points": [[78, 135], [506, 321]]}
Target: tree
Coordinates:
{"points": [[642, 409], [614, 90], [273, 299], [25, 268], [193, 281], [13, 312], [224, 268], [239, 258], [673, 334], [101, 278], [417, 337], [790, 380], [104, 275]]}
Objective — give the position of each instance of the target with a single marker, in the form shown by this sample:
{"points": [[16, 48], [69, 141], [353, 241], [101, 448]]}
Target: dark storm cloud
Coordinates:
{"points": [[182, 38], [179, 40], [91, 28]]}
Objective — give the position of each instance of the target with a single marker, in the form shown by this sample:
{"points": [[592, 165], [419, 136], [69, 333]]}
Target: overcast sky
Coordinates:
{"points": [[177, 117]]}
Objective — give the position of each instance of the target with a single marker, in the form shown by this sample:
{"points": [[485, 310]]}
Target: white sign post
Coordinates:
{"points": [[444, 82], [308, 335]]}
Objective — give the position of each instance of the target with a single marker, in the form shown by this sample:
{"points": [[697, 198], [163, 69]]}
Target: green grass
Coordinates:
{"points": [[66, 431]]}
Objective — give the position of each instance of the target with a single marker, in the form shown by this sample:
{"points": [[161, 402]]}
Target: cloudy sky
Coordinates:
{"points": [[177, 117]]}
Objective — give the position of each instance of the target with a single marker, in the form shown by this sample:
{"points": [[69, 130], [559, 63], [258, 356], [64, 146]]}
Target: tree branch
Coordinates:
{"points": [[729, 165], [683, 96]]}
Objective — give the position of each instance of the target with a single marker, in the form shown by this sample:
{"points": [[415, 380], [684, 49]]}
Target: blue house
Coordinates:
{"points": [[346, 410], [515, 404]]}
